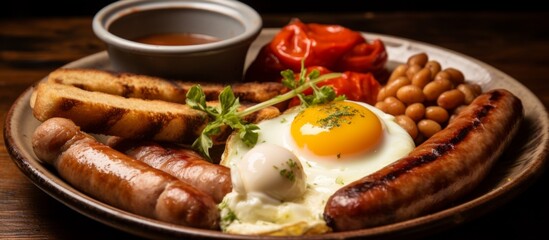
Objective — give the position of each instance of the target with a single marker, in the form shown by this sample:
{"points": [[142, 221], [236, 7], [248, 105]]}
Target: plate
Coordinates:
{"points": [[518, 167]]}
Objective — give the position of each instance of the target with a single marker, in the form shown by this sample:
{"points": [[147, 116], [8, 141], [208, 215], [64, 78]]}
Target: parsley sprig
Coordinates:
{"points": [[320, 95], [223, 114], [227, 114]]}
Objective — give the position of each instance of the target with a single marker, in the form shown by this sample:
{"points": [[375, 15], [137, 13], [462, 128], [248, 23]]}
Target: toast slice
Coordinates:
{"points": [[132, 118], [148, 87]]}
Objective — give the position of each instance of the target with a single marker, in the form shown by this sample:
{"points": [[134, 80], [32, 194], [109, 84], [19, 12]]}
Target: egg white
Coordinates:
{"points": [[258, 214]]}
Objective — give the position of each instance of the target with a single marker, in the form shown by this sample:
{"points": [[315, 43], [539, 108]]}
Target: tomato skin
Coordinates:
{"points": [[331, 46], [364, 57], [320, 45], [355, 86]]}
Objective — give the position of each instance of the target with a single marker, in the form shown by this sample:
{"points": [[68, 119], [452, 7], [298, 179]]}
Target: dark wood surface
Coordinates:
{"points": [[516, 43]]}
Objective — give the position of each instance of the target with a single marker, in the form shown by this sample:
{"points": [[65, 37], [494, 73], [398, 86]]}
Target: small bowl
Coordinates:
{"points": [[233, 23]]}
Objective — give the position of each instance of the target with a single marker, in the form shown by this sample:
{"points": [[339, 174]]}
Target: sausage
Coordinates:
{"points": [[444, 168], [182, 163], [118, 180]]}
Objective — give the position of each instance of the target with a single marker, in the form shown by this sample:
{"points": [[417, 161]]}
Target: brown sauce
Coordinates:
{"points": [[176, 39]]}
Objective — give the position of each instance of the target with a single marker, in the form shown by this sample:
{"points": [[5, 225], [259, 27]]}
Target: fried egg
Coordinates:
{"points": [[281, 185]]}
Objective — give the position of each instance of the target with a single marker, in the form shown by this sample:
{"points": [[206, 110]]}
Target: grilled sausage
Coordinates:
{"points": [[183, 163], [118, 180], [444, 168]]}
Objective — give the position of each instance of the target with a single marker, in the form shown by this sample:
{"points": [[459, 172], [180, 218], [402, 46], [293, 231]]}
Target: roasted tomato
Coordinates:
{"points": [[354, 85], [331, 46]]}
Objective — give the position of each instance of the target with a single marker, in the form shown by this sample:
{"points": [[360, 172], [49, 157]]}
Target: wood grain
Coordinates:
{"points": [[515, 43]]}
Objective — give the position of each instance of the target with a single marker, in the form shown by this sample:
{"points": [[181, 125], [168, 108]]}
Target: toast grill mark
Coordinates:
{"points": [[155, 125], [109, 119], [68, 104], [127, 90], [149, 92], [438, 151]]}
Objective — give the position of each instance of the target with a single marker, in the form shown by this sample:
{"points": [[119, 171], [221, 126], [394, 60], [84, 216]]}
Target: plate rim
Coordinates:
{"points": [[142, 226]]}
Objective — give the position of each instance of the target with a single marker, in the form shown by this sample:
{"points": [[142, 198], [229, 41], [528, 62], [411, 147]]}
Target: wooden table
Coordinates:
{"points": [[516, 43]]}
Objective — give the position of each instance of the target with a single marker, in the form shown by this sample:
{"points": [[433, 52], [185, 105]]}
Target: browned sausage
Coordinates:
{"points": [[118, 180], [182, 163], [444, 168]]}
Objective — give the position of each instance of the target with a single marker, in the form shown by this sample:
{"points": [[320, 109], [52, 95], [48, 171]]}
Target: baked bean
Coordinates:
{"points": [[428, 127], [442, 75], [476, 88], [437, 114], [434, 67], [451, 99], [433, 89], [394, 106], [400, 70], [421, 92], [382, 106], [455, 75], [422, 78], [445, 83], [412, 70], [381, 94], [418, 59], [410, 94], [408, 124], [415, 111], [392, 88], [468, 92]]}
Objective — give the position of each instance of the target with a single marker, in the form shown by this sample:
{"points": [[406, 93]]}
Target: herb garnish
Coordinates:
{"points": [[223, 114], [288, 173], [226, 112], [339, 180], [337, 115], [228, 214], [230, 217], [320, 95]]}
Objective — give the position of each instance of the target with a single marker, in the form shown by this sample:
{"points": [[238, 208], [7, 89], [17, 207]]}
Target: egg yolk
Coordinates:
{"points": [[336, 129]]}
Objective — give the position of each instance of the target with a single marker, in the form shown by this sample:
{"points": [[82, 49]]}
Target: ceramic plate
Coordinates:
{"points": [[518, 167]]}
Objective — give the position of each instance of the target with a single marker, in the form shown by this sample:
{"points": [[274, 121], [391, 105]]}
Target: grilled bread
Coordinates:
{"points": [[131, 118], [121, 84], [148, 87]]}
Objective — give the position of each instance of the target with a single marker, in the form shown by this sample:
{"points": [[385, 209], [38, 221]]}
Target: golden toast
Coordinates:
{"points": [[148, 87], [132, 118]]}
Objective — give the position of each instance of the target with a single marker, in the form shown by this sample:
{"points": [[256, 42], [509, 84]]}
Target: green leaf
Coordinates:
{"points": [[196, 98], [202, 144], [288, 79], [249, 135], [229, 103], [314, 74]]}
